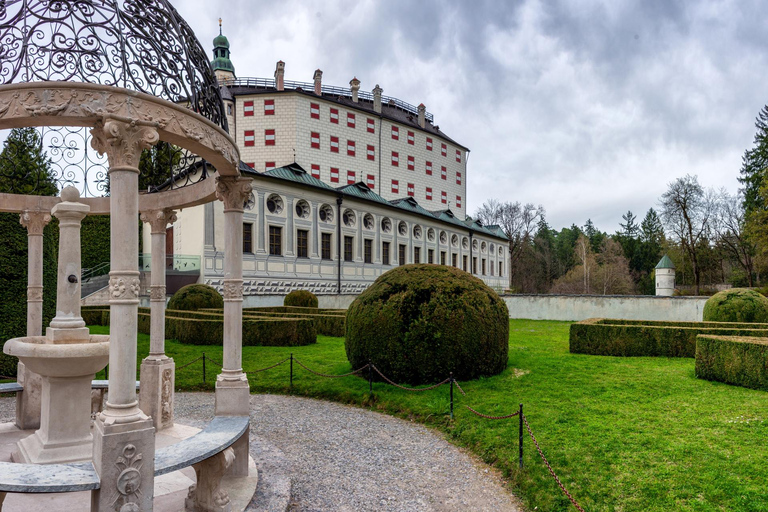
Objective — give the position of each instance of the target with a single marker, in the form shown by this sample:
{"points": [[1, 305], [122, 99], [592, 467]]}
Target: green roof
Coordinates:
{"points": [[221, 55], [294, 172], [410, 204], [362, 191], [665, 263], [220, 41]]}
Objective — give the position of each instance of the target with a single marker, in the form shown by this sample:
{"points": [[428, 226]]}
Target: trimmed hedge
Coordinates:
{"points": [[297, 309], [196, 296], [604, 337], [417, 323], [741, 361], [301, 298], [737, 305]]}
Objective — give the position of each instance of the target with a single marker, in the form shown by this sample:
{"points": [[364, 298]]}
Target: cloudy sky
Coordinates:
{"points": [[589, 108]]}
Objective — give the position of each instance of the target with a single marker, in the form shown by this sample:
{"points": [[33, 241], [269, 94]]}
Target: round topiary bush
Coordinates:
{"points": [[418, 323], [301, 298], [737, 305], [196, 296]]}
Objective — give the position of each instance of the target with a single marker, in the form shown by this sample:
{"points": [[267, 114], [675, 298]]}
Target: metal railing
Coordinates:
{"points": [[173, 262], [269, 83]]}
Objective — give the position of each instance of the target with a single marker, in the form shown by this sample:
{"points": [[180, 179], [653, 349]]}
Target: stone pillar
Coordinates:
{"points": [[157, 369], [124, 444], [28, 401], [232, 390]]}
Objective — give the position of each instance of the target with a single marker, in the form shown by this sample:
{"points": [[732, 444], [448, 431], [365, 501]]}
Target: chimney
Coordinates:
{"points": [[422, 115], [318, 82], [377, 99], [354, 86], [279, 76]]}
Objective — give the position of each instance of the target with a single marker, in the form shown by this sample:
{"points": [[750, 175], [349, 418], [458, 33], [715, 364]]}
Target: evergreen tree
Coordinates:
{"points": [[24, 166], [629, 227], [754, 164]]}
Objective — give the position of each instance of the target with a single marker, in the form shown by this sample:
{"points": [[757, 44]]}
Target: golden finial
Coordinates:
{"points": [[219, 26]]}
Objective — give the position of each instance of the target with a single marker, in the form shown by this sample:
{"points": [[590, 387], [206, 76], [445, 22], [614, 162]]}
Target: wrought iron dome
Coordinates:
{"points": [[142, 45]]}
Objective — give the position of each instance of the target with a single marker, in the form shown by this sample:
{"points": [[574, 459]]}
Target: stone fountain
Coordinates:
{"points": [[67, 357]]}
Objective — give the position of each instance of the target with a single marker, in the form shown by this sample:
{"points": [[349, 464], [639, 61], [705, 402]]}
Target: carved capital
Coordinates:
{"points": [[123, 141], [158, 219], [157, 293], [234, 191], [34, 221], [124, 287], [233, 290]]}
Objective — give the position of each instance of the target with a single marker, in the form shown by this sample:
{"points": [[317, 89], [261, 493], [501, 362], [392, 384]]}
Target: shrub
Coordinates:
{"points": [[741, 361], [417, 323], [196, 296], [737, 305], [275, 332], [301, 298]]}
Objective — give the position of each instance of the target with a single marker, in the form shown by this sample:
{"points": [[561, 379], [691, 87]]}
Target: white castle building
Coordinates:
{"points": [[347, 184]]}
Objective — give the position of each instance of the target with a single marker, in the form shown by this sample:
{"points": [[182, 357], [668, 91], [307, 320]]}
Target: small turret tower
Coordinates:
{"points": [[665, 277], [222, 66]]}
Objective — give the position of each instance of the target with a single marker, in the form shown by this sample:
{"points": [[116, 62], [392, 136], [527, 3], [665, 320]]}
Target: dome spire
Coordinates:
{"points": [[219, 26], [222, 66]]}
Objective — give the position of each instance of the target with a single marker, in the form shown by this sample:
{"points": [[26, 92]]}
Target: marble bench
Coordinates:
{"points": [[35, 478]]}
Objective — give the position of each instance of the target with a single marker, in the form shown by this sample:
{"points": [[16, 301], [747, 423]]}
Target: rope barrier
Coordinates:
{"points": [[328, 375], [457, 385], [189, 363], [269, 367], [215, 362], [486, 416], [446, 381]]}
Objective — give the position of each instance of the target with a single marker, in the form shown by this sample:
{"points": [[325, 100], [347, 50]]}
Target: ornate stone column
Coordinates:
{"points": [[124, 445], [232, 390], [157, 369], [28, 401]]}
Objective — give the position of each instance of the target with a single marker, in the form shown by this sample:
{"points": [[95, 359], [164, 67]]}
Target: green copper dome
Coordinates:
{"points": [[221, 60], [220, 41], [665, 263]]}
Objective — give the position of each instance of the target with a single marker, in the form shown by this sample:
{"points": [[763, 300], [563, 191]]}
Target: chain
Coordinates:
{"points": [[269, 367], [327, 375], [214, 362], [410, 389], [492, 417], [189, 363], [457, 385], [5, 377], [550, 467]]}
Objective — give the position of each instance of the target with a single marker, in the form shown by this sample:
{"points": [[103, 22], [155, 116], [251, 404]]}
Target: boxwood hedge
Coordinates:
{"points": [[196, 296], [736, 305], [302, 298], [741, 361]]}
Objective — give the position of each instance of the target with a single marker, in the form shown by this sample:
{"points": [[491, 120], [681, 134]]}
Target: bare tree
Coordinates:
{"points": [[518, 221], [687, 211], [729, 225]]}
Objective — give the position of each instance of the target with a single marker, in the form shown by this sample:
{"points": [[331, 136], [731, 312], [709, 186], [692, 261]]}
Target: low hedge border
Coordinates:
{"points": [[605, 337], [740, 361]]}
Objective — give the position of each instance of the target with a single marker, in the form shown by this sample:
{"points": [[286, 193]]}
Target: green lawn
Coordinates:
{"points": [[623, 434]]}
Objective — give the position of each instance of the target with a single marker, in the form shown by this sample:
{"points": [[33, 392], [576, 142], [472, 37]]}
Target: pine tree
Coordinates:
{"points": [[24, 166], [754, 165]]}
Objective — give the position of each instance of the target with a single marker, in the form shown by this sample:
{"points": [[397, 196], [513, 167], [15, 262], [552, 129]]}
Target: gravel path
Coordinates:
{"points": [[343, 458]]}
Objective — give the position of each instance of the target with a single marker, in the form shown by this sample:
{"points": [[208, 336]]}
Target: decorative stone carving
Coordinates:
{"points": [[123, 141], [124, 288], [207, 495], [233, 289], [158, 220], [129, 480], [34, 221], [234, 191], [157, 292], [165, 395], [34, 294]]}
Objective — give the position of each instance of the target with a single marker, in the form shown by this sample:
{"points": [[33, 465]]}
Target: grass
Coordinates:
{"points": [[623, 434]]}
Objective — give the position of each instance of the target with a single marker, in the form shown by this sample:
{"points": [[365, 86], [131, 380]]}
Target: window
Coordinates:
{"points": [[302, 209], [371, 152], [417, 254], [325, 246], [444, 197], [350, 177], [442, 257], [401, 254], [483, 265], [429, 144], [252, 165], [395, 187], [428, 168], [501, 268], [275, 241], [334, 175], [302, 243], [269, 165], [411, 163], [443, 150], [395, 133], [430, 256], [315, 171], [429, 193], [443, 172], [385, 253], [458, 201], [464, 263], [275, 204], [491, 268], [367, 251], [395, 159], [269, 107], [314, 111], [248, 238], [371, 125], [351, 148], [458, 156], [458, 178], [411, 139], [247, 108], [249, 138], [269, 137], [229, 109], [335, 116], [474, 265], [454, 260], [371, 181], [350, 120], [410, 189], [314, 139], [348, 241], [325, 213], [334, 144]]}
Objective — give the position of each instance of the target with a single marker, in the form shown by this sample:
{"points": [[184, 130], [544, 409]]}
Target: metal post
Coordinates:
{"points": [[520, 414], [291, 369], [106, 372], [451, 395], [370, 378], [203, 367]]}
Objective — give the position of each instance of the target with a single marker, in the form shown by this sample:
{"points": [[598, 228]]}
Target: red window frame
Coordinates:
{"points": [[395, 159], [371, 152], [411, 138], [269, 165], [252, 165], [351, 148], [314, 140], [395, 133], [429, 193], [443, 172], [269, 107], [371, 181], [314, 110], [458, 155], [395, 187], [249, 138], [315, 171], [458, 201], [248, 108], [411, 163], [428, 168], [350, 120], [335, 116], [371, 125], [429, 143], [350, 177], [334, 174], [334, 144], [444, 197], [443, 150], [458, 178], [269, 137], [410, 189]]}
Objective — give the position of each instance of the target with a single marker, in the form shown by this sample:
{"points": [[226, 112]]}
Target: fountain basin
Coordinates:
{"points": [[42, 356]]}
